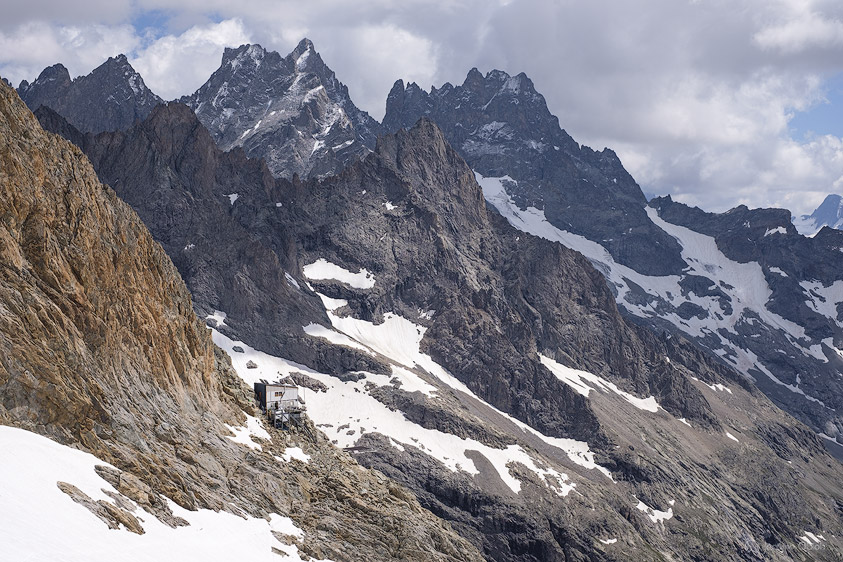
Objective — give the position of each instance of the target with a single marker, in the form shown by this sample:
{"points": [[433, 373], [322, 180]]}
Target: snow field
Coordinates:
{"points": [[347, 411], [66, 531]]}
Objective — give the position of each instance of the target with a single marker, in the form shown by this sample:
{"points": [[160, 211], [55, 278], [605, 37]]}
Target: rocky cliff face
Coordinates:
{"points": [[487, 369], [101, 350], [112, 97], [502, 127], [742, 284], [292, 111], [792, 332]]}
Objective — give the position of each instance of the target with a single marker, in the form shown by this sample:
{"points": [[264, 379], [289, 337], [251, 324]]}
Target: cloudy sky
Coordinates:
{"points": [[717, 102]]}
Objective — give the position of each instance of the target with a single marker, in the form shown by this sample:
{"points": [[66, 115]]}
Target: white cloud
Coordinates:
{"points": [[380, 54], [28, 49], [174, 65], [694, 96]]}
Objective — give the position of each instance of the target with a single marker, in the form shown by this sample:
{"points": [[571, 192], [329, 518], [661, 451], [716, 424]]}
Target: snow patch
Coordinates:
{"points": [[218, 317], [584, 382], [389, 206], [232, 197], [291, 453], [336, 338], [655, 515], [811, 539], [743, 283], [292, 281], [322, 269], [253, 428], [777, 230], [732, 437]]}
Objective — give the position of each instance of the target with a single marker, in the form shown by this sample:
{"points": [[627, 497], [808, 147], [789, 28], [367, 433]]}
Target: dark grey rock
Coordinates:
{"points": [[502, 127], [112, 97]]}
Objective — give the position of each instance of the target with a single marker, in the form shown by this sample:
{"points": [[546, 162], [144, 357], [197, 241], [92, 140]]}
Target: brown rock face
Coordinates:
{"points": [[90, 300], [100, 349]]}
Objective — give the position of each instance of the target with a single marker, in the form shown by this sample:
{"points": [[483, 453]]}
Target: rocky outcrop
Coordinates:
{"points": [[112, 97], [101, 350], [292, 111]]}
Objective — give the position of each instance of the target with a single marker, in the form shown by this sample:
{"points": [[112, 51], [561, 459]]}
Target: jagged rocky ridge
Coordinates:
{"points": [[102, 351], [750, 290], [112, 97], [502, 127], [484, 317], [292, 111]]}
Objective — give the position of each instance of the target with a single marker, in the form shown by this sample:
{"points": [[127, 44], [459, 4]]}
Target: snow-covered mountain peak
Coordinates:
{"points": [[290, 110], [829, 213]]}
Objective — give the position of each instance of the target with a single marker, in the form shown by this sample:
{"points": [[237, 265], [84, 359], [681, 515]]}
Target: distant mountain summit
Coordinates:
{"points": [[112, 97], [829, 213], [502, 126], [290, 110]]}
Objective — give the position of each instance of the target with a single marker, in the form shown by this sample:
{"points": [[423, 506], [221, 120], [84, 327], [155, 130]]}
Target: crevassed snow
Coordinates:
{"points": [[322, 269], [584, 382], [218, 317], [655, 515], [40, 522], [244, 434]]}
